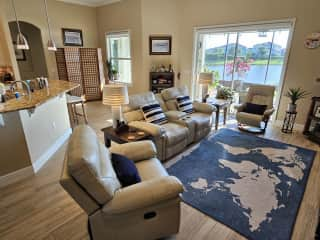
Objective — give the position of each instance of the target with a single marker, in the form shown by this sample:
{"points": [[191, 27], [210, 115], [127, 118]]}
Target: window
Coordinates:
{"points": [[119, 54], [242, 55]]}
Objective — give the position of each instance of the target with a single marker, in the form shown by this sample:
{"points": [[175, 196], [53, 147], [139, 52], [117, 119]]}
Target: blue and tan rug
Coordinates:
{"points": [[251, 184]]}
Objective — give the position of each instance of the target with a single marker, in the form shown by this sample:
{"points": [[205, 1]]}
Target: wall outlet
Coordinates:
{"points": [[54, 125]]}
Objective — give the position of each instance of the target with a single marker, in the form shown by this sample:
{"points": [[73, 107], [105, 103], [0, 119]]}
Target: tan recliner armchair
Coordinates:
{"points": [[199, 122], [170, 138], [146, 210], [257, 94]]}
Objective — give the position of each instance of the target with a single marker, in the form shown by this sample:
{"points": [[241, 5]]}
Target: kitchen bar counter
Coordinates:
{"points": [[38, 97]]}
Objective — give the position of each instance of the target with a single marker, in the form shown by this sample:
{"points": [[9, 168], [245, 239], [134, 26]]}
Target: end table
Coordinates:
{"points": [[288, 122], [123, 137], [220, 104]]}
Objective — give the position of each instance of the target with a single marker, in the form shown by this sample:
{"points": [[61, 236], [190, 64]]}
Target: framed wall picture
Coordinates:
{"points": [[72, 37], [160, 45]]}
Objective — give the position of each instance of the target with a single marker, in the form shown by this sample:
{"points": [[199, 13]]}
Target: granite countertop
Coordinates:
{"points": [[38, 97]]}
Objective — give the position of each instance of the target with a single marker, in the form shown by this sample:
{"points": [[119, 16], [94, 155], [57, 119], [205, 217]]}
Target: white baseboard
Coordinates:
{"points": [[16, 176], [38, 164], [297, 127]]}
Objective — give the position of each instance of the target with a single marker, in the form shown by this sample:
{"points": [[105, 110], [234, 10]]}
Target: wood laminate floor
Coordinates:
{"points": [[38, 207]]}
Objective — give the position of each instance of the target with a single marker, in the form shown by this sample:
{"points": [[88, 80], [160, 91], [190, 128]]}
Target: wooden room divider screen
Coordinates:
{"points": [[83, 66]]}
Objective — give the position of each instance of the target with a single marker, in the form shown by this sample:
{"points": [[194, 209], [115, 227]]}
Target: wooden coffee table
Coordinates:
{"points": [[220, 104], [123, 137]]}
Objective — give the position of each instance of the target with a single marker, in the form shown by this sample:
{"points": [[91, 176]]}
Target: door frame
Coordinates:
{"points": [[197, 31]]}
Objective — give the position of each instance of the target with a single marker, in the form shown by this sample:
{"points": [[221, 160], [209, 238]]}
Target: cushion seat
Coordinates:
{"points": [[201, 120], [174, 133], [249, 118], [150, 169]]}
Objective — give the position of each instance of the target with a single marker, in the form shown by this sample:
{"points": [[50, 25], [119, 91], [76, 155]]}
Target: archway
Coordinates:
{"points": [[32, 62]]}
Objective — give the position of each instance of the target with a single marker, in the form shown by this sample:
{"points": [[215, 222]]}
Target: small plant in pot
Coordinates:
{"points": [[295, 94], [225, 93], [113, 74]]}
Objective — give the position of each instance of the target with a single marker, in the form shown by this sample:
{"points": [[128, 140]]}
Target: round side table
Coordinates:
{"points": [[288, 122]]}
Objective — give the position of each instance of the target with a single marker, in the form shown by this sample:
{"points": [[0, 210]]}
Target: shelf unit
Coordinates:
{"points": [[160, 81], [312, 126]]}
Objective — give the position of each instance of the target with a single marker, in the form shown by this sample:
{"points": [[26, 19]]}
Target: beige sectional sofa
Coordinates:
{"points": [[182, 129], [146, 210]]}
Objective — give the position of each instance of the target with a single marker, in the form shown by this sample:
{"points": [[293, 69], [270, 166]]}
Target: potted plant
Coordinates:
{"points": [[225, 93], [113, 74], [295, 94]]}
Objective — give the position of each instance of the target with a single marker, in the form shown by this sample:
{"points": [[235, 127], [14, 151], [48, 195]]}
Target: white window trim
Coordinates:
{"points": [[122, 32], [275, 24]]}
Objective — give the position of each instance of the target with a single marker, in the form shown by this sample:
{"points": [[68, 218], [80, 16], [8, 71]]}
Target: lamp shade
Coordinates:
{"points": [[115, 94], [22, 42], [205, 78]]}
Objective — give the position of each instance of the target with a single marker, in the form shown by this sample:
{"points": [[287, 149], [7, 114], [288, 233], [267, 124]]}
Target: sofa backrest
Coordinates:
{"points": [[169, 96], [89, 165], [261, 94], [131, 111]]}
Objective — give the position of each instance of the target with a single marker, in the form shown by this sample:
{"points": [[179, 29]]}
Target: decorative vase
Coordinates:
{"points": [[292, 107]]}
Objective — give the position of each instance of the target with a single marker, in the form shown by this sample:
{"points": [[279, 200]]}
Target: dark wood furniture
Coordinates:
{"points": [[312, 126], [83, 66], [288, 122], [160, 81], [220, 104], [111, 135]]}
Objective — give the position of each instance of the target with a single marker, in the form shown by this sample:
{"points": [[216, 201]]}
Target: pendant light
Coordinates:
{"points": [[22, 42], [51, 43]]}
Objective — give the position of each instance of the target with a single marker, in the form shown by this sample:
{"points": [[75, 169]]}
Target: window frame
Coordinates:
{"points": [[109, 58], [259, 25]]}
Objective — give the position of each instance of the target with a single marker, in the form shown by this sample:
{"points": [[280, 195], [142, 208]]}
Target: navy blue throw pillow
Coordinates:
{"points": [[125, 169], [255, 108]]}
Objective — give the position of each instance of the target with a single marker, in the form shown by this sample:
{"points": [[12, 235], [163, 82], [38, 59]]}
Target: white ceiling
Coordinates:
{"points": [[91, 3]]}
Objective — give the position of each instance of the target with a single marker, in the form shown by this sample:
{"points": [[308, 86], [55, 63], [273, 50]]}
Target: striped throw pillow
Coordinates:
{"points": [[153, 113], [184, 104]]}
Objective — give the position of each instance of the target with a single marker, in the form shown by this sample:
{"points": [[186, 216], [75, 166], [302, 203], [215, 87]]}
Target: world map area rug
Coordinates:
{"points": [[251, 184]]}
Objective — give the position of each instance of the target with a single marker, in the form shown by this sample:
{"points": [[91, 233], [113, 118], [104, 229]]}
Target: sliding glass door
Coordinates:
{"points": [[243, 55]]}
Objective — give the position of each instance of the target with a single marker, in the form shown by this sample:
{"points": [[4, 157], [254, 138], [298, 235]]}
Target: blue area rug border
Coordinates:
{"points": [[299, 200]]}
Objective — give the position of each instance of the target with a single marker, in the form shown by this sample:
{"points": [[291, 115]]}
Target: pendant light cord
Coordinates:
{"points": [[15, 14], [48, 20]]}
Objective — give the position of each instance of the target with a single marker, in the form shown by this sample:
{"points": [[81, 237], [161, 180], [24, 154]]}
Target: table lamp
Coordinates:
{"points": [[115, 95], [204, 80]]}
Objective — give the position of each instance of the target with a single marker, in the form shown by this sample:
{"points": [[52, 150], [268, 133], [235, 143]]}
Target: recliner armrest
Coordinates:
{"points": [[136, 151], [268, 113], [144, 194], [175, 115], [153, 129], [240, 107], [204, 107]]}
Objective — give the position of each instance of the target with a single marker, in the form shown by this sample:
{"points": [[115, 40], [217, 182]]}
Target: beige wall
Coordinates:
{"points": [[35, 63], [14, 154], [303, 65], [62, 15], [125, 15], [159, 18], [45, 126]]}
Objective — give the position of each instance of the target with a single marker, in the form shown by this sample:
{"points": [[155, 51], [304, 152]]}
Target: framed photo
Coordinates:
{"points": [[72, 37], [20, 53], [160, 45], [317, 112]]}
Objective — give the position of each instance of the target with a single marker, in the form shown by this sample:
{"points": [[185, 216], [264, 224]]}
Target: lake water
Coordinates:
{"points": [[256, 74]]}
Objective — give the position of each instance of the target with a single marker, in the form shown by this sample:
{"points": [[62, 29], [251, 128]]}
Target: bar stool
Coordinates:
{"points": [[72, 102]]}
